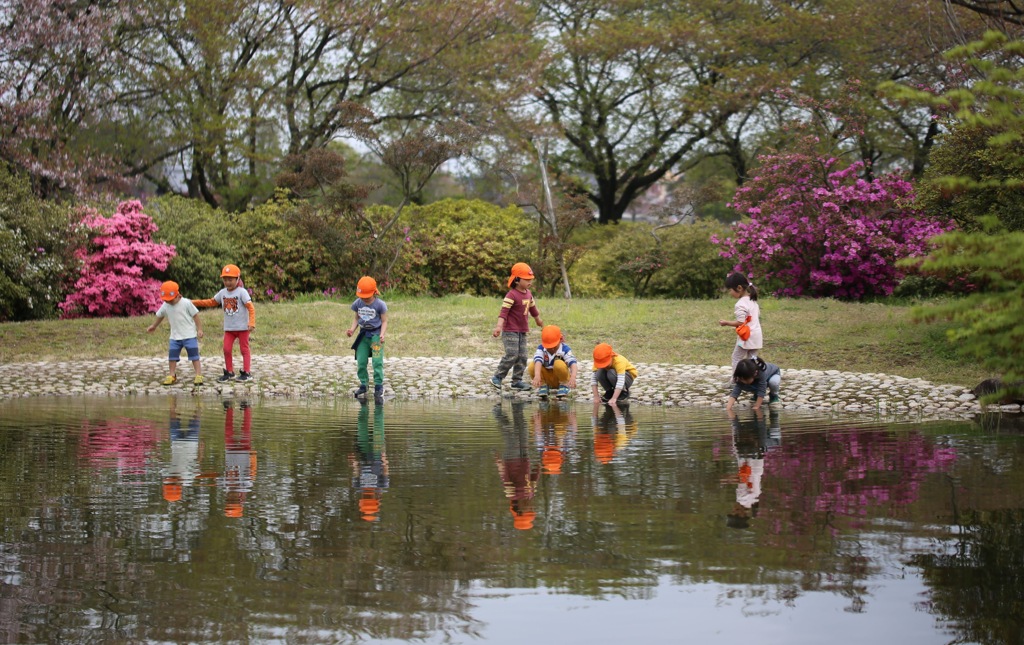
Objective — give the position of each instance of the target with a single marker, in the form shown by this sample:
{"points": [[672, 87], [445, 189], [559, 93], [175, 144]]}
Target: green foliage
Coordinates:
{"points": [[37, 251], [684, 265], [277, 259], [964, 160], [990, 321], [205, 239], [461, 246]]}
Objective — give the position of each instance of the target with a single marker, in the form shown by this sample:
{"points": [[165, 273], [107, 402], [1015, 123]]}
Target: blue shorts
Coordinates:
{"points": [[191, 345]]}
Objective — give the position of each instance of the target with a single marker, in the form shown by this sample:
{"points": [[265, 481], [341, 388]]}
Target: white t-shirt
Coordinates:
{"points": [[180, 316], [747, 307]]}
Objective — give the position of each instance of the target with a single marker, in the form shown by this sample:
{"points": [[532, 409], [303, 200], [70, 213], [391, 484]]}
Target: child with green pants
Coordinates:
{"points": [[372, 322]]}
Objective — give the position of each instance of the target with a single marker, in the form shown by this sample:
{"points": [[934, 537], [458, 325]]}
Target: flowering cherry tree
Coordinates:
{"points": [[119, 265], [817, 229]]}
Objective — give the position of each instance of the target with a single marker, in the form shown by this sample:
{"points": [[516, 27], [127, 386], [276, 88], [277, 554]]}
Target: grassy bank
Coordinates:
{"points": [[810, 334]]}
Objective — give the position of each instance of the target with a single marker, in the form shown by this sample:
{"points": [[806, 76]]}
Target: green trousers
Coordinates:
{"points": [[363, 353]]}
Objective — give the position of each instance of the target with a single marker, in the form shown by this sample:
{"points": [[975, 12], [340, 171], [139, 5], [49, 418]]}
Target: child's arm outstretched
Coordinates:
{"points": [[206, 303], [156, 323]]}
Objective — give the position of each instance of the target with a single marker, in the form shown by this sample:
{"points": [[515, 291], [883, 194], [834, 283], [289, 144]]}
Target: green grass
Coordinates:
{"points": [[810, 334]]}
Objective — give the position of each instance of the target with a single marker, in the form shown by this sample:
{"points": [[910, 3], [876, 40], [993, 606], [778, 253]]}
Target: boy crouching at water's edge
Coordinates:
{"points": [[554, 365]]}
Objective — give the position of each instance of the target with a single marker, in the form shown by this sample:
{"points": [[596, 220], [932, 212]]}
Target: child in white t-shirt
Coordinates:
{"points": [[186, 330]]}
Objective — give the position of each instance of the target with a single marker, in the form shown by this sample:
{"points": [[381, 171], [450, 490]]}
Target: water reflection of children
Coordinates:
{"points": [[518, 476], [184, 465], [751, 438], [239, 459], [613, 428], [370, 462], [554, 426]]}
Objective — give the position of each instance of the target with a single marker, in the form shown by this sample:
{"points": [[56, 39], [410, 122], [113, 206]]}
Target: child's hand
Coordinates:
{"points": [[150, 329], [729, 404], [252, 327], [496, 332], [572, 382], [540, 323], [536, 381], [725, 323], [199, 333], [348, 332]]}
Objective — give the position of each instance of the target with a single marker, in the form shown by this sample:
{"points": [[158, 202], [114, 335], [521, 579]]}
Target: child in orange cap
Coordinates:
{"points": [[513, 326], [186, 330], [372, 322], [554, 365], [232, 298], [613, 373]]}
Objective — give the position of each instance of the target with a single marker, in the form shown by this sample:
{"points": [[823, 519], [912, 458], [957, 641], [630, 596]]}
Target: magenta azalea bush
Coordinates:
{"points": [[819, 230], [119, 264]]}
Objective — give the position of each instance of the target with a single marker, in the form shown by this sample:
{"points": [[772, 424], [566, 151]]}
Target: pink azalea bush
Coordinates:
{"points": [[119, 264], [816, 229]]}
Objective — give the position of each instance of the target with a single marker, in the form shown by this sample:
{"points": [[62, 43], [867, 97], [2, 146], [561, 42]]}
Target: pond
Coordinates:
{"points": [[181, 519]]}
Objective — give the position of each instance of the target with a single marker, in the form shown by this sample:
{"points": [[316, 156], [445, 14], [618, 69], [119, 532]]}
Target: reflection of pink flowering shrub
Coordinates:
{"points": [[124, 444], [849, 473], [117, 276], [817, 230]]}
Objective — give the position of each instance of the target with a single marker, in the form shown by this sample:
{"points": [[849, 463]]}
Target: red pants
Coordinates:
{"points": [[243, 347]]}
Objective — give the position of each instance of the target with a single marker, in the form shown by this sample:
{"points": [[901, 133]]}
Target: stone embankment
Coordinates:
{"points": [[319, 377]]}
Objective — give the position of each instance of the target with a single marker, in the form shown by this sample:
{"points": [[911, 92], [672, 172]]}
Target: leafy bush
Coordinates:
{"points": [[462, 246], [205, 239], [37, 251], [119, 265], [818, 230], [685, 264], [277, 259]]}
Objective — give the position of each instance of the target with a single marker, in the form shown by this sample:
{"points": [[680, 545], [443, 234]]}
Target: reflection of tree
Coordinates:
{"points": [[979, 586]]}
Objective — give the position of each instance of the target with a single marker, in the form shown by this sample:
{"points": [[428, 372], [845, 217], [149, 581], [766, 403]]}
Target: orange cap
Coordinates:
{"points": [[523, 521], [603, 355], [369, 506], [169, 291], [230, 271], [604, 447], [551, 459], [520, 270], [550, 336], [172, 491], [366, 287]]}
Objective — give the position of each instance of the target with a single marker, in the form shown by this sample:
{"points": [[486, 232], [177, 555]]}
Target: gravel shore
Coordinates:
{"points": [[317, 377]]}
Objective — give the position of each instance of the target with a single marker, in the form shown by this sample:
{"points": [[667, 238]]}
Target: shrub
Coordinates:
{"points": [[277, 259], [37, 251], [462, 246], [119, 265], [205, 239], [818, 230]]}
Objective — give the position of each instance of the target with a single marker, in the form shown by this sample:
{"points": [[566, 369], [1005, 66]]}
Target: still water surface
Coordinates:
{"points": [[197, 520]]}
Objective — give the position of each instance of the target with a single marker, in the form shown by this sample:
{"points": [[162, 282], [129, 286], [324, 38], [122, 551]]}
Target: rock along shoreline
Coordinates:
{"points": [[437, 378]]}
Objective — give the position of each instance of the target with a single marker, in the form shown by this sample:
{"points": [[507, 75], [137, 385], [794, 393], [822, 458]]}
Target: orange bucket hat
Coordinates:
{"points": [[366, 287], [550, 337], [520, 270], [230, 271], [169, 291], [603, 355]]}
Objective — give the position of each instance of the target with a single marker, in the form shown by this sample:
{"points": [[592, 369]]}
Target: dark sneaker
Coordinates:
{"points": [[361, 392], [623, 395], [228, 376], [543, 391], [522, 386], [563, 391], [496, 382], [605, 397], [243, 377], [773, 399], [244, 404]]}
